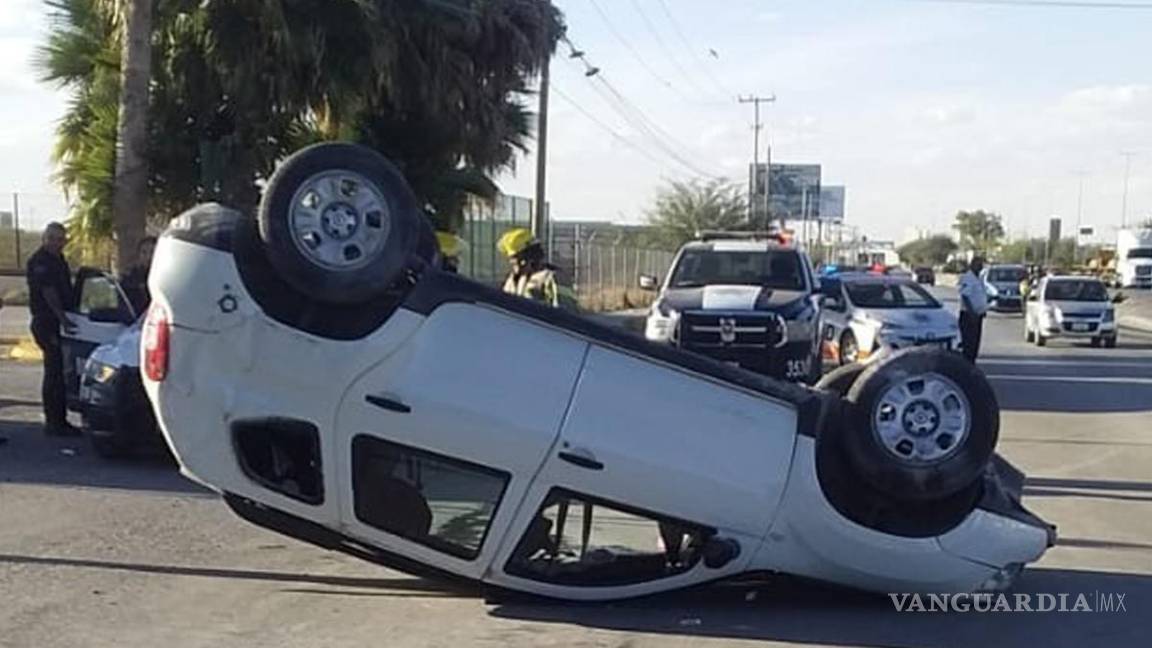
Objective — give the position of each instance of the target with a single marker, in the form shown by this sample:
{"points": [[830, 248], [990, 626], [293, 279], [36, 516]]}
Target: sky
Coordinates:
{"points": [[921, 108]]}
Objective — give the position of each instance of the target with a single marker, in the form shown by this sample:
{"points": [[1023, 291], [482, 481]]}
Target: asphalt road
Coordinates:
{"points": [[130, 554]]}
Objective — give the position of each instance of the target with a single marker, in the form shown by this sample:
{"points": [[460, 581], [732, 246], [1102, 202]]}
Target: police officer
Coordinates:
{"points": [[531, 276], [135, 281], [50, 292]]}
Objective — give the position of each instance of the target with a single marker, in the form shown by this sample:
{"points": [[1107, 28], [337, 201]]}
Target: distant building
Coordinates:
{"points": [[7, 221]]}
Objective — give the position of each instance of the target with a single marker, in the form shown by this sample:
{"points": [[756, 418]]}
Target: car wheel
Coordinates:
{"points": [[1041, 340], [110, 446], [1110, 343], [849, 348], [339, 222], [1029, 336], [841, 379], [922, 424], [1096, 342]]}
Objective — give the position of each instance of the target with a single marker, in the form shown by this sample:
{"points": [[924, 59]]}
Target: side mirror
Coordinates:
{"points": [[648, 282]]}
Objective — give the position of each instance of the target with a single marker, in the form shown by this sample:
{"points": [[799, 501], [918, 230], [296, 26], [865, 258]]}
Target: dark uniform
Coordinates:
{"points": [[135, 287], [46, 270]]}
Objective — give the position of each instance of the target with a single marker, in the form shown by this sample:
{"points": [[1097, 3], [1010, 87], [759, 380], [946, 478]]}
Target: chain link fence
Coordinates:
{"points": [[607, 277]]}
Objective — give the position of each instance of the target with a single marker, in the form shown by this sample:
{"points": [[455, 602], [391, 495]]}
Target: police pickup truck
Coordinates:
{"points": [[745, 299]]}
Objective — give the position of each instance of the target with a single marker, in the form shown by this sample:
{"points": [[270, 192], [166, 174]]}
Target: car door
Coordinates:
{"points": [[655, 465], [834, 320], [438, 443], [101, 312]]}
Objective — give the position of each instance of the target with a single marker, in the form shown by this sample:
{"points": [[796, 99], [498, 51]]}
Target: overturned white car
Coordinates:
{"points": [[315, 367]]}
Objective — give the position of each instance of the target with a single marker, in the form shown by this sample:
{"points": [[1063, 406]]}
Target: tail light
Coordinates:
{"points": [[157, 336]]}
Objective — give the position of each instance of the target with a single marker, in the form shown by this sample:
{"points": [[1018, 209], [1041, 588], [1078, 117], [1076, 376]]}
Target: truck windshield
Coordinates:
{"points": [[1013, 275], [1089, 291], [780, 269], [875, 294], [1140, 253]]}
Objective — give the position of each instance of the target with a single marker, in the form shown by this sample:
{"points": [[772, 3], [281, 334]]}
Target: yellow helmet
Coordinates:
{"points": [[450, 245], [515, 241]]}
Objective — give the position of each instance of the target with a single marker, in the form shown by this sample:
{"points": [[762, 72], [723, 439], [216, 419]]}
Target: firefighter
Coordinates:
{"points": [[451, 246], [531, 276]]}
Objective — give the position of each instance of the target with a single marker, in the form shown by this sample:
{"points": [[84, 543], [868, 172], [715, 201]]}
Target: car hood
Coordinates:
{"points": [[922, 318], [730, 298], [124, 351]]}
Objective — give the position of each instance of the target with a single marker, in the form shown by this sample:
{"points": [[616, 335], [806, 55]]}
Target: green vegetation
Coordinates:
{"points": [[931, 251], [440, 88], [682, 209], [979, 231]]}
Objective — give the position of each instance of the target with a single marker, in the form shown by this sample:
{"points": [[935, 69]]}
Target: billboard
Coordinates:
{"points": [[831, 204], [794, 191]]}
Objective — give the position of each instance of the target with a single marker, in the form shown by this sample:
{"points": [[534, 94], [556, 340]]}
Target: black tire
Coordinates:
{"points": [[1096, 342], [841, 379], [913, 480], [1110, 343], [1029, 336], [846, 339], [1041, 340], [378, 269]]}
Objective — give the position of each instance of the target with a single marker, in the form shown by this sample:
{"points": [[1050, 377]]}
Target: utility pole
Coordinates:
{"points": [[540, 213], [16, 226], [1124, 203], [756, 100], [1079, 218]]}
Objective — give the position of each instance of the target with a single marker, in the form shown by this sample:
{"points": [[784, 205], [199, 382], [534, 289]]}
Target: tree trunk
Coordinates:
{"points": [[130, 193]]}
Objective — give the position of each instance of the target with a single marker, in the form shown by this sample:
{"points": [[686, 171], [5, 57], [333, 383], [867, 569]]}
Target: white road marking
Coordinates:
{"points": [[1078, 363], [1113, 380]]}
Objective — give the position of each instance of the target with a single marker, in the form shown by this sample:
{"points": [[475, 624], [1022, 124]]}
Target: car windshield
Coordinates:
{"points": [[999, 275], [780, 269], [1086, 291], [875, 294], [1140, 253]]}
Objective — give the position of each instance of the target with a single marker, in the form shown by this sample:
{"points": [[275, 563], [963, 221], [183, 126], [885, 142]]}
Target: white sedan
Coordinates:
{"points": [[866, 315], [316, 367], [1071, 307]]}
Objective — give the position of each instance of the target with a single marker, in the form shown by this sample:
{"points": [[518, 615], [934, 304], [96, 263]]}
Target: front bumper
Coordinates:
{"points": [[118, 407], [1007, 303], [1078, 329]]}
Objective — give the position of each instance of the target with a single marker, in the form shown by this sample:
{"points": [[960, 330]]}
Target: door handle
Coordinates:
{"points": [[386, 401], [582, 458]]}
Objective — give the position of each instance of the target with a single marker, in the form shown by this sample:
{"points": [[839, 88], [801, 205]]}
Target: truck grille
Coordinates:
{"points": [[1084, 316], [707, 331]]}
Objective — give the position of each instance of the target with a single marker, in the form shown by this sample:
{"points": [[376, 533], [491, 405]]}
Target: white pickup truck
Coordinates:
{"points": [[315, 366]]}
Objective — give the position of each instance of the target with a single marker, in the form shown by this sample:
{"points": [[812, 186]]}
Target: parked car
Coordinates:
{"points": [[1003, 285], [867, 314], [925, 275], [316, 367], [751, 301], [102, 369], [1071, 307]]}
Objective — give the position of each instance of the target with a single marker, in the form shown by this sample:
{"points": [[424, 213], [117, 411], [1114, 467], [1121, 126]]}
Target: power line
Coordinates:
{"points": [[633, 115], [695, 55], [1066, 4], [635, 53], [664, 46], [608, 129]]}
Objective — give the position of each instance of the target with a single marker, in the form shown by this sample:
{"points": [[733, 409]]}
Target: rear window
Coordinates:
{"points": [[1076, 291], [875, 294], [780, 269]]}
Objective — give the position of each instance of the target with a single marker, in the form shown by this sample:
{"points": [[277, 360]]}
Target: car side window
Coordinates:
{"points": [[582, 541], [441, 502]]}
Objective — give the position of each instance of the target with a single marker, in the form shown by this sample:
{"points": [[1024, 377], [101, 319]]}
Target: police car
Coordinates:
{"points": [[748, 300], [865, 315], [315, 366]]}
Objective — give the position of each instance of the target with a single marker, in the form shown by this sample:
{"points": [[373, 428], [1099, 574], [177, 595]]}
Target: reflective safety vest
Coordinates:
{"points": [[539, 286]]}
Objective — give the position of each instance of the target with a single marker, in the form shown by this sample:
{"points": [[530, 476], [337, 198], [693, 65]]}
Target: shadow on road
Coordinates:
{"points": [[812, 614], [30, 457], [403, 586]]}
